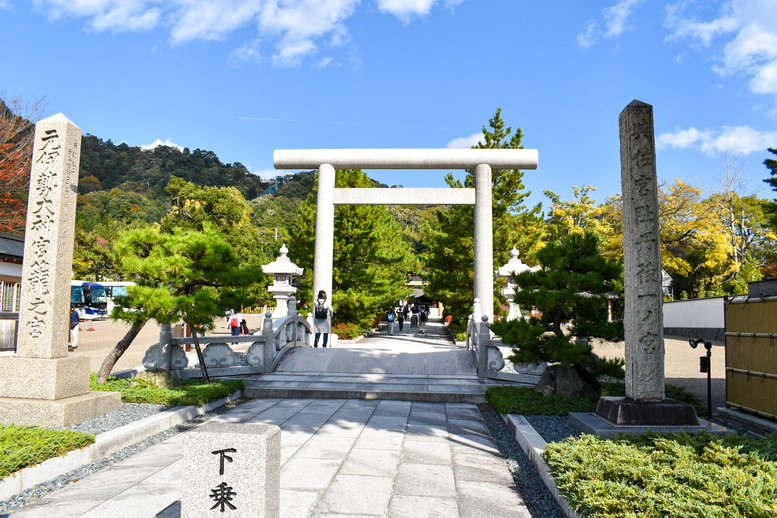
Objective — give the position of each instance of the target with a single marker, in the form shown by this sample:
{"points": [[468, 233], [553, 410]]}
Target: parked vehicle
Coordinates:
{"points": [[115, 289], [89, 298]]}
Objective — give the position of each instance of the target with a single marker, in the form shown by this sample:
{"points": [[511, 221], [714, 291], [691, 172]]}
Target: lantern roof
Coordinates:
{"points": [[282, 265]]}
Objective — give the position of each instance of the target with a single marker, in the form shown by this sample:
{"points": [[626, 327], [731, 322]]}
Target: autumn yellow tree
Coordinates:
{"points": [[694, 249], [577, 215]]}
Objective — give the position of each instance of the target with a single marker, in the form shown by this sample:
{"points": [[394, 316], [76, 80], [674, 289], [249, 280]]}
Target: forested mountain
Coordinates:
{"points": [[105, 165]]}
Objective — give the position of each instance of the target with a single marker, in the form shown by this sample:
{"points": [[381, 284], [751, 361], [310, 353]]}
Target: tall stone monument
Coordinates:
{"points": [[41, 384], [644, 403]]}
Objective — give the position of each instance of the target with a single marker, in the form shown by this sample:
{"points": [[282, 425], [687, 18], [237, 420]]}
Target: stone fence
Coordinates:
{"points": [[488, 356], [232, 355]]}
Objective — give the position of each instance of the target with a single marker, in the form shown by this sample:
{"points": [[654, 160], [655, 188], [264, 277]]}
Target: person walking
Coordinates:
{"points": [[322, 318], [233, 322], [391, 316], [74, 320], [422, 317], [401, 319]]}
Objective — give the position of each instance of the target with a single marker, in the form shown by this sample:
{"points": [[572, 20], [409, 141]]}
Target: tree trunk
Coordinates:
{"points": [[116, 352]]}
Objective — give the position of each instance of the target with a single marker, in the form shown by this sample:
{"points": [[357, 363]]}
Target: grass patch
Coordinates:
{"points": [[526, 401], [191, 392], [676, 475], [24, 446]]}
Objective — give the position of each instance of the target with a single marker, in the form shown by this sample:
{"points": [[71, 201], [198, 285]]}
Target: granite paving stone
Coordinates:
{"points": [[299, 473], [363, 461], [427, 452], [425, 480], [348, 495], [403, 506]]}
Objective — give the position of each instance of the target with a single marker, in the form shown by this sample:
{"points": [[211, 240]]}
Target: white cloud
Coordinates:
{"points": [[159, 142], [112, 15], [325, 62], [615, 22], [405, 10], [737, 139], [617, 16], [293, 30], [466, 142], [211, 19], [267, 174], [748, 39], [591, 34]]}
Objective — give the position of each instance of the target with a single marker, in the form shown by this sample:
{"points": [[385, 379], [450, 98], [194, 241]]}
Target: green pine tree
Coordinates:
{"points": [[450, 257], [570, 293]]}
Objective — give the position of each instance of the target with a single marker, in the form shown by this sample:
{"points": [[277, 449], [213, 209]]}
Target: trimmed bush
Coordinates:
{"points": [[24, 446], [346, 331], [657, 475]]}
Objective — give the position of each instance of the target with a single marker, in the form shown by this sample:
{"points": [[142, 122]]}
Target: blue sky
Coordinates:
{"points": [[244, 77]]}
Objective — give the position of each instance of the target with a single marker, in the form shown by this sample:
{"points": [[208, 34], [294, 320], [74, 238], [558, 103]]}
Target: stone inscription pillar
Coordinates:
{"points": [[42, 384], [323, 260], [484, 241], [643, 320], [48, 240]]}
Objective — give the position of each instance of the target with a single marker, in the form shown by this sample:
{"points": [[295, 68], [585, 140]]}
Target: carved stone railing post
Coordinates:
{"points": [[269, 342], [483, 340], [292, 312], [165, 344]]}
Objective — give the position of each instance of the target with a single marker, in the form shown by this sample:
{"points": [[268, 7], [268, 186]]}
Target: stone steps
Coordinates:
{"points": [[405, 387]]}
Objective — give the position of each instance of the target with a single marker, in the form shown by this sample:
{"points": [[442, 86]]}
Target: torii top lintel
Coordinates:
{"points": [[405, 158]]}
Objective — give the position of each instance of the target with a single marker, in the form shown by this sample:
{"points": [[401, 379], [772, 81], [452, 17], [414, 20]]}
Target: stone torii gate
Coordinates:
{"points": [[481, 160]]}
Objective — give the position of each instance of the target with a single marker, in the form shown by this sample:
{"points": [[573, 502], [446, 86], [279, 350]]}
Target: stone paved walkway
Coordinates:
{"points": [[339, 457]]}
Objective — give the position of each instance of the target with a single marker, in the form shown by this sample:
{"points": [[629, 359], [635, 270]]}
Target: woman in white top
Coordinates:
{"points": [[322, 318]]}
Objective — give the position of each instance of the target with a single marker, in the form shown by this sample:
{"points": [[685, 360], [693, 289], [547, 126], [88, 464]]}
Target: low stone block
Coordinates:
{"points": [[59, 413], [44, 378], [625, 411], [232, 468]]}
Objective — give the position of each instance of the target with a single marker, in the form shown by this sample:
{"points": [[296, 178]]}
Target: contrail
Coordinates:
{"points": [[346, 123]]}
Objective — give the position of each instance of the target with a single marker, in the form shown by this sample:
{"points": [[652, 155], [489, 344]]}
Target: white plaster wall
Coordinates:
{"points": [[14, 270], [694, 313]]}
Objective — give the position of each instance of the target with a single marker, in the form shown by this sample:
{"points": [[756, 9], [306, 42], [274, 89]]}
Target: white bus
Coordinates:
{"points": [[115, 289]]}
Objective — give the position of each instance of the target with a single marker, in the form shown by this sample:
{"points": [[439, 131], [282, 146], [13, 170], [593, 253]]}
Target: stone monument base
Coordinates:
{"points": [[44, 378], [58, 413], [626, 411], [594, 424]]}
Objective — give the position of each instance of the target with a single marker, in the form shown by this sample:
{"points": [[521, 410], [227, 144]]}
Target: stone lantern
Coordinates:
{"points": [[284, 272], [514, 265]]}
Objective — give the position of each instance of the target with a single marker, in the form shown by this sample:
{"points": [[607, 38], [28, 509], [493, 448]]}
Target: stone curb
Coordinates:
{"points": [[104, 445], [534, 445]]}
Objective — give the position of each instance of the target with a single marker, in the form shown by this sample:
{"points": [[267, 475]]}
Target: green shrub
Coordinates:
{"points": [[24, 446], [526, 401], [346, 331], [676, 475], [191, 392]]}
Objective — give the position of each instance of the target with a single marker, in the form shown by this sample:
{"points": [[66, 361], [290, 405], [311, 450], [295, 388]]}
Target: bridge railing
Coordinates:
{"points": [[479, 340], [228, 355]]}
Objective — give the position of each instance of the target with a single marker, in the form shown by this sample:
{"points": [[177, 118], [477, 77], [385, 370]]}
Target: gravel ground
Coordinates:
{"points": [[536, 496]]}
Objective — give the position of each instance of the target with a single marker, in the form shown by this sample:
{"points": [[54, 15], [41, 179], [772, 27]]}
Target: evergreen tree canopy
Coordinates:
{"points": [[570, 292], [449, 240]]}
